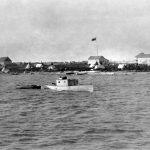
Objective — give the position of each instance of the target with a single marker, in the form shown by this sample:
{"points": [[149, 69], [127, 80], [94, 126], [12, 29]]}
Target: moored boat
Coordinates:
{"points": [[69, 72], [81, 73], [64, 84], [28, 87]]}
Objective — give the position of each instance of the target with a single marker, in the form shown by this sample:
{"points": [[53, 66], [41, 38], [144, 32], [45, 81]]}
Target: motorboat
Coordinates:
{"points": [[65, 84]]}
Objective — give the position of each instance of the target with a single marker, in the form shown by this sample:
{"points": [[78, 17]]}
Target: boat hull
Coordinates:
{"points": [[81, 73], [88, 88], [29, 87]]}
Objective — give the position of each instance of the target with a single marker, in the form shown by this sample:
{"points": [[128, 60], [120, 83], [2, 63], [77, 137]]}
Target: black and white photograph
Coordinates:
{"points": [[74, 74]]}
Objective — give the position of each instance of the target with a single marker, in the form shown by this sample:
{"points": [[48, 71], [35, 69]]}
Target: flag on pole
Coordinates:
{"points": [[93, 39]]}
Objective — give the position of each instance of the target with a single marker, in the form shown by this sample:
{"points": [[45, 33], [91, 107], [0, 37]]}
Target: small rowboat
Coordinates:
{"points": [[64, 84], [81, 73], [69, 73], [29, 87]]}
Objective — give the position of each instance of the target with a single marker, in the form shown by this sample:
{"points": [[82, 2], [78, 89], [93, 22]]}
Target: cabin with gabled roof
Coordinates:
{"points": [[142, 58], [97, 60], [5, 61]]}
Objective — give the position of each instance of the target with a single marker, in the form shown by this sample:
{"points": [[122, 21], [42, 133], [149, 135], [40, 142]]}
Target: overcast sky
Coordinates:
{"points": [[61, 30]]}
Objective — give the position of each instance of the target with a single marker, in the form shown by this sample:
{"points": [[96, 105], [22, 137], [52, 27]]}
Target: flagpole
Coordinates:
{"points": [[97, 46], [95, 39]]}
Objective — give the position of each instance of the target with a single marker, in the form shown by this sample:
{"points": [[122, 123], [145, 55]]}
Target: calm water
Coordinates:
{"points": [[115, 116]]}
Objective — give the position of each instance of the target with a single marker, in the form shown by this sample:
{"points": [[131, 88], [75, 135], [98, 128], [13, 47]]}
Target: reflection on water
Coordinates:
{"points": [[115, 116]]}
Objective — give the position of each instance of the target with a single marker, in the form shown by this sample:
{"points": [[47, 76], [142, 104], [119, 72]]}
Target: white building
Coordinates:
{"points": [[143, 58], [97, 60]]}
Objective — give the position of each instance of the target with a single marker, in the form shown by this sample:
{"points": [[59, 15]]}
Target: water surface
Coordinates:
{"points": [[115, 116]]}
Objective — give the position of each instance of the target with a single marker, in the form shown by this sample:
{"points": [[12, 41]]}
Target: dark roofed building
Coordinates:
{"points": [[142, 55], [5, 61], [92, 60]]}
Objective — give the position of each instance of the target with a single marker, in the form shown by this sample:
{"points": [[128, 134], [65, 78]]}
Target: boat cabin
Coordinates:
{"points": [[63, 81]]}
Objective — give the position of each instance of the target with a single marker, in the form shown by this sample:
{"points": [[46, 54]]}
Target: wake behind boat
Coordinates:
{"points": [[64, 84]]}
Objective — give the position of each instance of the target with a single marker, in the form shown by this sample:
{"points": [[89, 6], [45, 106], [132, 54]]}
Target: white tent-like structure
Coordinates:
{"points": [[99, 66], [29, 66], [5, 70]]}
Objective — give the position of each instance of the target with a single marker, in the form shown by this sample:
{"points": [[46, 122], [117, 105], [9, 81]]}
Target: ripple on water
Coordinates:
{"points": [[114, 116]]}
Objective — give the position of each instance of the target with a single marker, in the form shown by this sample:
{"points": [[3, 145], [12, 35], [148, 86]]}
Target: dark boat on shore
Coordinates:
{"points": [[69, 73]]}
